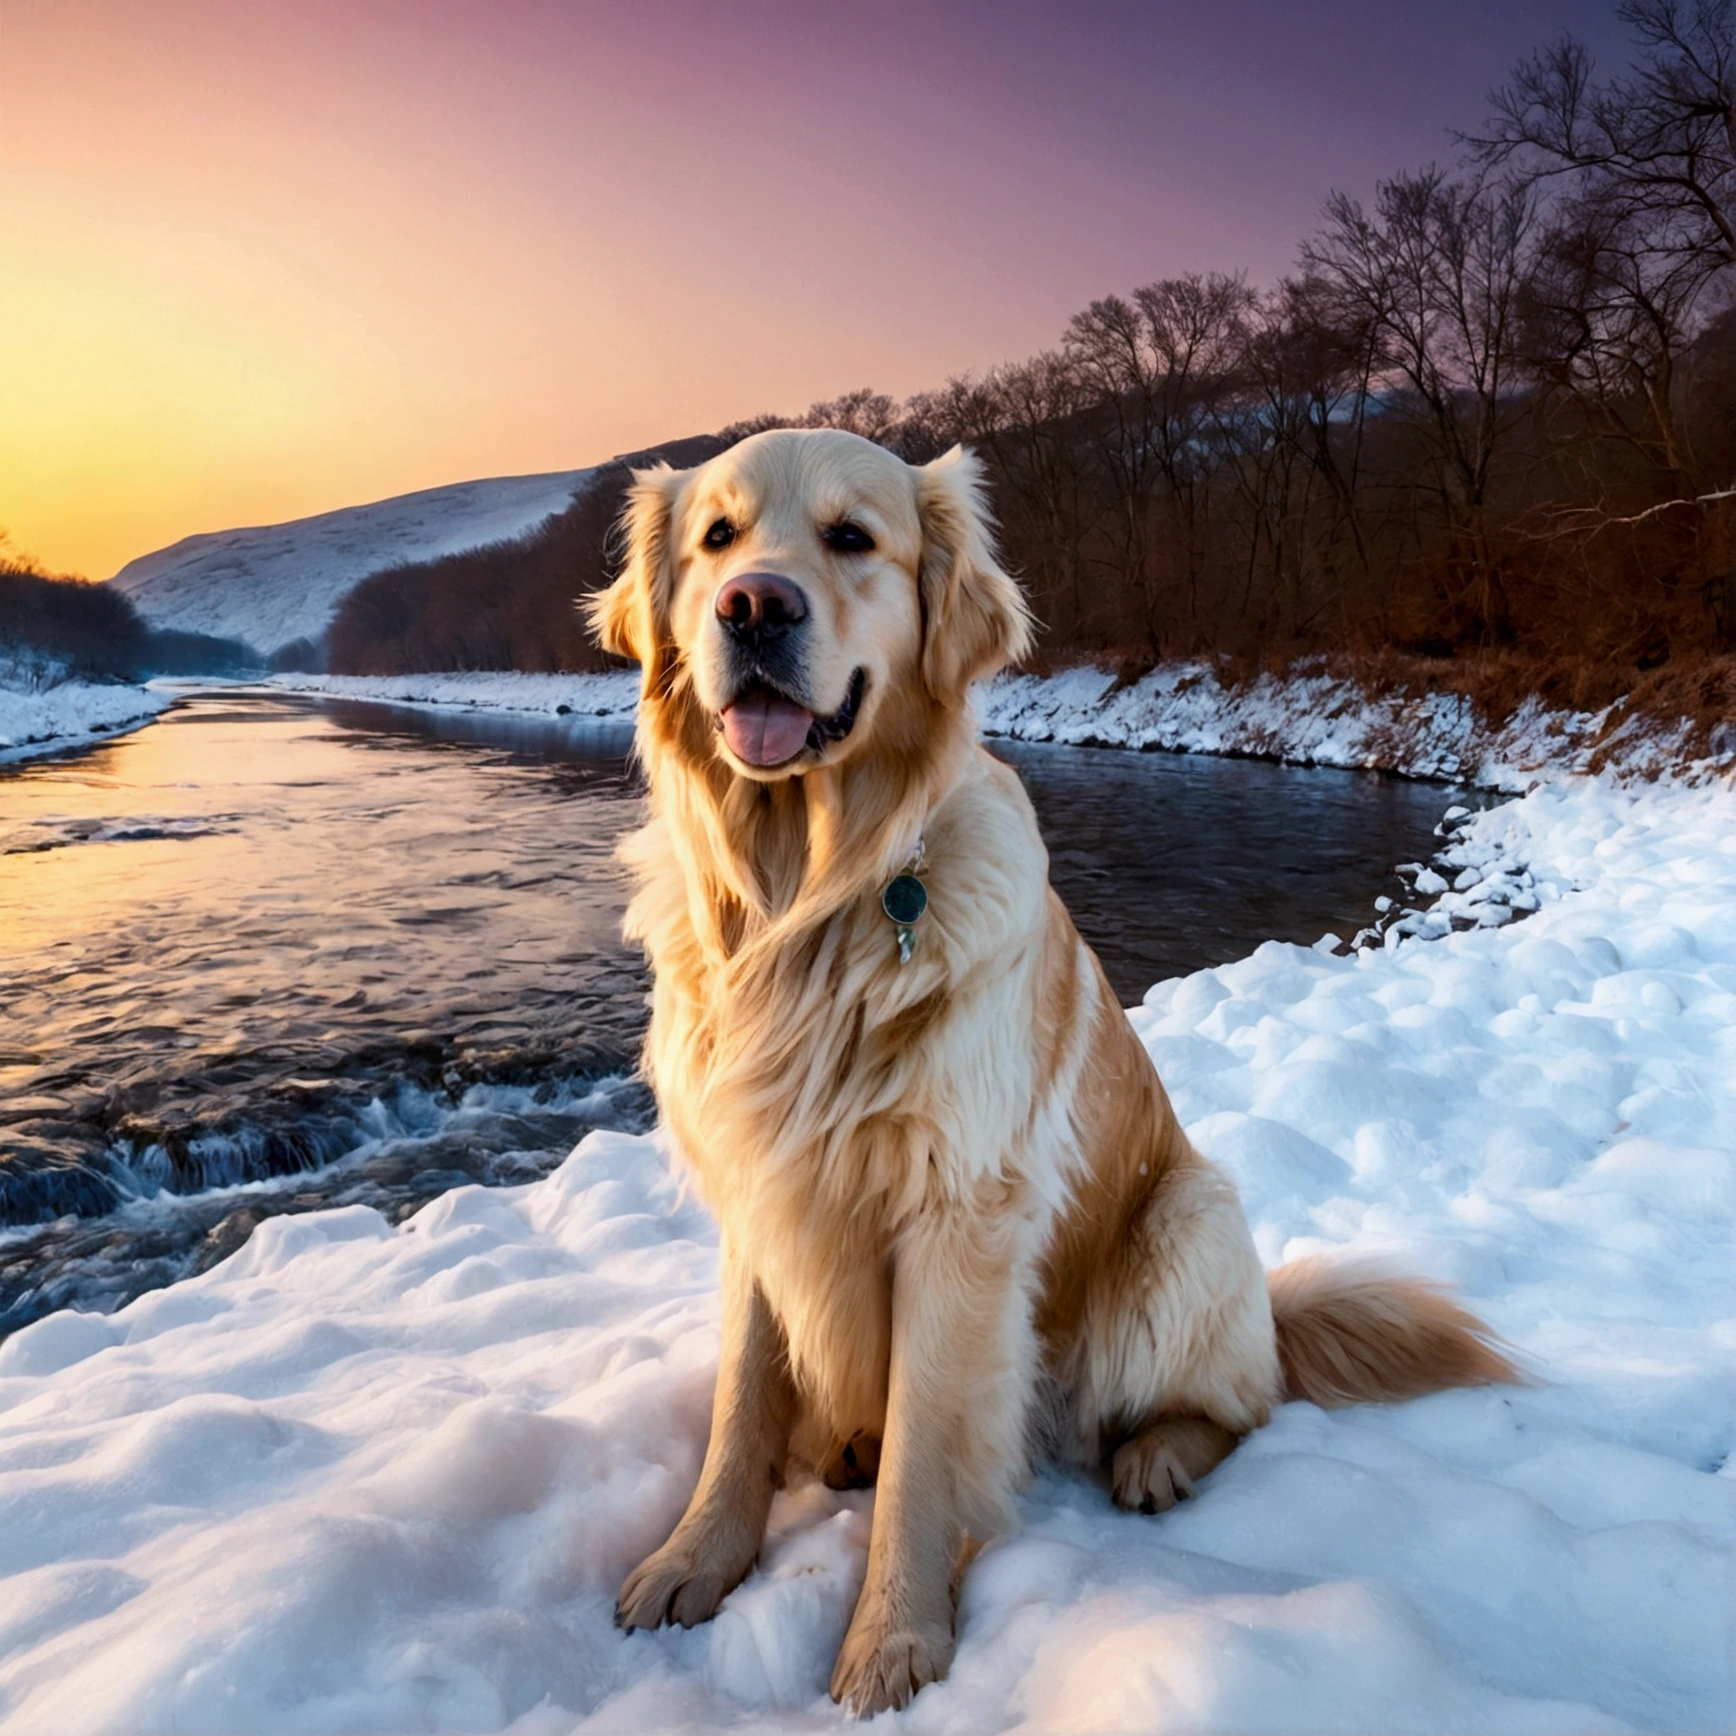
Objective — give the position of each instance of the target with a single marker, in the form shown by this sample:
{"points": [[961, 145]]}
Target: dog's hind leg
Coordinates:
{"points": [[1175, 1360], [719, 1536], [1161, 1463]]}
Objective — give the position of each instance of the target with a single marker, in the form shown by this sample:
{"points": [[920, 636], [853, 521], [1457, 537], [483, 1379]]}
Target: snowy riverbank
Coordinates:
{"points": [[359, 1477], [612, 695], [1303, 719], [1320, 719], [42, 712]]}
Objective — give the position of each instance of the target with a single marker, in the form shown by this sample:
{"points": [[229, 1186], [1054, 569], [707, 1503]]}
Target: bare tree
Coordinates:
{"points": [[871, 414], [1155, 364], [1436, 272], [1608, 315], [1642, 170], [1297, 426], [1658, 145], [1641, 251], [1029, 420]]}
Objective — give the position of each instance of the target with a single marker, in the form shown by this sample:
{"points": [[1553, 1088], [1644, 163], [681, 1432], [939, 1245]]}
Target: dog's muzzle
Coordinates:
{"points": [[768, 724]]}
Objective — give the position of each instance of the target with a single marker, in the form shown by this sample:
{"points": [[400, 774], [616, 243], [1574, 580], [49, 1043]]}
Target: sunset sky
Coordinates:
{"points": [[265, 259]]}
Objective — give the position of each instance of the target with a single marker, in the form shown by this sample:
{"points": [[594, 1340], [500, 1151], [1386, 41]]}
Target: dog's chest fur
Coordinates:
{"points": [[827, 1096]]}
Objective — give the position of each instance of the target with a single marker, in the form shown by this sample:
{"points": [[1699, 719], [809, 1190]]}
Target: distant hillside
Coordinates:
{"points": [[511, 604], [277, 586]]}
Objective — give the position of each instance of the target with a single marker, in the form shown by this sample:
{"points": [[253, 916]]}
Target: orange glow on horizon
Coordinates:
{"points": [[272, 259], [262, 271]]}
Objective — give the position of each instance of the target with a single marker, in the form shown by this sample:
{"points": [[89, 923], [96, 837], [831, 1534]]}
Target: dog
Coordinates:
{"points": [[960, 1223]]}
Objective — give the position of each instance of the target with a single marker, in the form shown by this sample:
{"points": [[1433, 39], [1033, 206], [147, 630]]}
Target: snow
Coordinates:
{"points": [[270, 585], [366, 1478], [1315, 718], [614, 694], [42, 711]]}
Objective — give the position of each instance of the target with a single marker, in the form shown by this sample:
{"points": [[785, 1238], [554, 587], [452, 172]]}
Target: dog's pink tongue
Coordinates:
{"points": [[765, 729]]}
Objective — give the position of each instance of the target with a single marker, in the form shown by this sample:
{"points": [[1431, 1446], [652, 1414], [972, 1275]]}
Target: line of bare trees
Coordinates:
{"points": [[1494, 409], [1495, 406], [507, 605]]}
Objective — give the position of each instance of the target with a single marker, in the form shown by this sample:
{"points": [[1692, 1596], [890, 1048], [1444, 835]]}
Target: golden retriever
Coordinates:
{"points": [[960, 1222]]}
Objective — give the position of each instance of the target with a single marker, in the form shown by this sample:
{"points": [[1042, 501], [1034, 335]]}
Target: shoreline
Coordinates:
{"points": [[1313, 717], [70, 715], [1310, 717], [1305, 718]]}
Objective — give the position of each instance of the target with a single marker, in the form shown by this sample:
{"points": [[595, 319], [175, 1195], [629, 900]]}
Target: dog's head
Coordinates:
{"points": [[805, 589]]}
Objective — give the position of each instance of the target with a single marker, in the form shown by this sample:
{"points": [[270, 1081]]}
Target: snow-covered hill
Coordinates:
{"points": [[270, 585]]}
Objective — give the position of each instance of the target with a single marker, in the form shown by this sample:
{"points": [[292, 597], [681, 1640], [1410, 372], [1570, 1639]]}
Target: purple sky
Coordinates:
{"points": [[279, 256]]}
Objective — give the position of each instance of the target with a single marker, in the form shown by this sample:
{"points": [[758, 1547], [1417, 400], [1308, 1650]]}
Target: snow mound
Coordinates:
{"points": [[358, 1478], [271, 585], [41, 711]]}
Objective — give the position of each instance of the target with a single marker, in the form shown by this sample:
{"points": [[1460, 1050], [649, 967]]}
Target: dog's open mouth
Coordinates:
{"points": [[767, 728]]}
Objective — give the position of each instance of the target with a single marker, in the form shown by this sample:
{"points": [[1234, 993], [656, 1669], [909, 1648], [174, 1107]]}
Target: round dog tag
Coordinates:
{"points": [[904, 900]]}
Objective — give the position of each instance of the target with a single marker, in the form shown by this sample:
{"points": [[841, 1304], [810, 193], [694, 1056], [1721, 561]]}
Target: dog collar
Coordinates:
{"points": [[904, 900]]}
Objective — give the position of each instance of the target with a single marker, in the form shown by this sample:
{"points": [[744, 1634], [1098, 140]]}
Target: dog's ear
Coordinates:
{"points": [[629, 617], [974, 618]]}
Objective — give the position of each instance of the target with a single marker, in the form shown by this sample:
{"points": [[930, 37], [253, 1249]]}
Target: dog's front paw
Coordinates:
{"points": [[683, 1582], [879, 1671]]}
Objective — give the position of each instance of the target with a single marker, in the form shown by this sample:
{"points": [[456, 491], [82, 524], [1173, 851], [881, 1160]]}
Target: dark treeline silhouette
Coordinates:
{"points": [[509, 605], [1491, 417], [68, 628]]}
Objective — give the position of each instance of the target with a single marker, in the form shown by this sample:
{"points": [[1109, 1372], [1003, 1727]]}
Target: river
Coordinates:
{"points": [[270, 954]]}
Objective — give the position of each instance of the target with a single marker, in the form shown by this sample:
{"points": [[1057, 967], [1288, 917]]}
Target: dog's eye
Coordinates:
{"points": [[721, 534], [846, 538]]}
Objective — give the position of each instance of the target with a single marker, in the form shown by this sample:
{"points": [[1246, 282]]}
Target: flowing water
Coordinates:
{"points": [[271, 954]]}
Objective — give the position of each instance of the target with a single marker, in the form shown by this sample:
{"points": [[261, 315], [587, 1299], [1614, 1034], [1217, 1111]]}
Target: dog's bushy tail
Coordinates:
{"points": [[1353, 1334]]}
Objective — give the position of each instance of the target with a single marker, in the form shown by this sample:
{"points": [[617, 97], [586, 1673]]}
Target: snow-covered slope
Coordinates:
{"points": [[272, 584], [361, 1477]]}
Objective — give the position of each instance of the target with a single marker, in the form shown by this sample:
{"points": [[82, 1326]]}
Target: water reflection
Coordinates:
{"points": [[262, 934], [1173, 862]]}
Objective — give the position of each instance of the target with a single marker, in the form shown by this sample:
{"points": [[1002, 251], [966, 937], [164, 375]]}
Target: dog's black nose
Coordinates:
{"points": [[760, 606]]}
